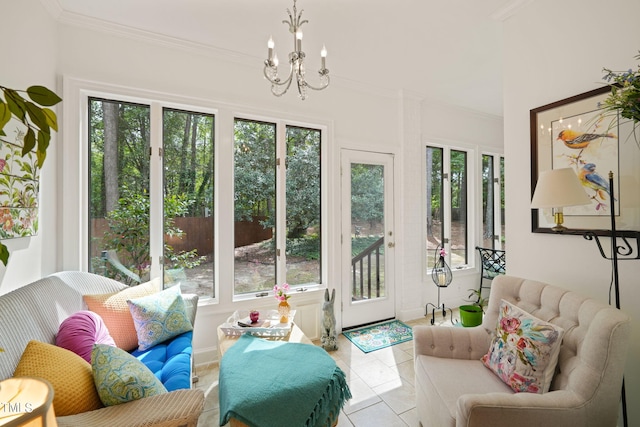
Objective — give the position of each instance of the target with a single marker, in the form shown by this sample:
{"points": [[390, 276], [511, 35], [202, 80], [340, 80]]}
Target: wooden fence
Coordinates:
{"points": [[198, 235]]}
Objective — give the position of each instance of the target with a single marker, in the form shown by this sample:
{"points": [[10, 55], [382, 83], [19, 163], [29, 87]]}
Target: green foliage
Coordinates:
{"points": [[254, 172], [477, 299], [303, 181], [625, 95], [128, 232], [39, 120], [307, 247], [367, 193]]}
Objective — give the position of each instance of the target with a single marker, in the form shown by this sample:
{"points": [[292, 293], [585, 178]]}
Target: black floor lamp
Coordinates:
{"points": [[625, 251], [560, 188]]}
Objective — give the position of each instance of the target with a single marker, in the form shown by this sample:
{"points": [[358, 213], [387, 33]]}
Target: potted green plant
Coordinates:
{"points": [[624, 98], [471, 314]]}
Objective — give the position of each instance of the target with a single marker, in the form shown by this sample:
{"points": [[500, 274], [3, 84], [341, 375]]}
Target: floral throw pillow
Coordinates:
{"points": [[524, 352]]}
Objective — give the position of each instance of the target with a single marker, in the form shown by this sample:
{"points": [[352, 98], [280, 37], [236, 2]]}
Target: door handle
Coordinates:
{"points": [[391, 245]]}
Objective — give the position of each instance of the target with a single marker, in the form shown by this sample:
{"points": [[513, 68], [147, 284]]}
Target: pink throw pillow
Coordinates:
{"points": [[81, 331]]}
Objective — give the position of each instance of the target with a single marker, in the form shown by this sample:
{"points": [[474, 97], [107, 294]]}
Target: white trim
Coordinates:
{"points": [[509, 9]]}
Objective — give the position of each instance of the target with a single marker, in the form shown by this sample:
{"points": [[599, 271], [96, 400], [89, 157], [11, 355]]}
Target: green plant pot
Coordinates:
{"points": [[470, 315]]}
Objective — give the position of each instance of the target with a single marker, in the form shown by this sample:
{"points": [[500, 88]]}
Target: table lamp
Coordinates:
{"points": [[26, 401], [558, 188]]}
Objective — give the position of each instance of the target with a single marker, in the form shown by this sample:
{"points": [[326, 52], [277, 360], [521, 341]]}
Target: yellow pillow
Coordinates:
{"points": [[70, 375], [115, 313]]}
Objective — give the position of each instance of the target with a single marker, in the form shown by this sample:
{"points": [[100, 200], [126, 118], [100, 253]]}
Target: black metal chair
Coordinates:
{"points": [[493, 262]]}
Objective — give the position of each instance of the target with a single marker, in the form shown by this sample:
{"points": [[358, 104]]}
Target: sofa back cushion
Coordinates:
{"points": [[114, 310]]}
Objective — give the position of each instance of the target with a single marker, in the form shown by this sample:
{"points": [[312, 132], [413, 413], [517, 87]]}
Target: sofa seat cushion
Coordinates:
{"points": [[170, 361], [450, 379]]}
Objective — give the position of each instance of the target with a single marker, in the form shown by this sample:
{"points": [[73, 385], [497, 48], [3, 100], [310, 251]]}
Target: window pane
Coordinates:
{"points": [[188, 201], [487, 202], [254, 207], [458, 208], [367, 237], [119, 190], [434, 209], [303, 206]]}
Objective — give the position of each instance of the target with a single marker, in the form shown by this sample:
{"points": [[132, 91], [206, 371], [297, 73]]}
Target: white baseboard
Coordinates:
{"points": [[206, 356]]}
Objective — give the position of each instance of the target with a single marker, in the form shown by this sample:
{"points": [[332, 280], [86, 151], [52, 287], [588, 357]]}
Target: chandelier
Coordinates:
{"points": [[296, 61]]}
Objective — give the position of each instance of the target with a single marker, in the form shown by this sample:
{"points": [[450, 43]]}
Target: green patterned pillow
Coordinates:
{"points": [[159, 317], [119, 377]]}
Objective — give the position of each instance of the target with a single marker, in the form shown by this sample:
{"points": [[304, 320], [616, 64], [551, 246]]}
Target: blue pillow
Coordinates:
{"points": [[159, 317], [119, 377]]}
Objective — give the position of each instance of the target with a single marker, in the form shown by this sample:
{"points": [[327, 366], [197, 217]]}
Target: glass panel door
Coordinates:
{"points": [[367, 236]]}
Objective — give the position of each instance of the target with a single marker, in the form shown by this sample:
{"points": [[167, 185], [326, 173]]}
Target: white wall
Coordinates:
{"points": [[423, 123], [554, 50], [360, 118], [29, 51]]}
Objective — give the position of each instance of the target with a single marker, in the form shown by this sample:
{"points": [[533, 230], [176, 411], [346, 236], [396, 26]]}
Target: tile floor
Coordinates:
{"points": [[381, 383]]}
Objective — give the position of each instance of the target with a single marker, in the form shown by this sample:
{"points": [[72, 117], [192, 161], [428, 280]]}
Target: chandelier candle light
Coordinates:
{"points": [[296, 61]]}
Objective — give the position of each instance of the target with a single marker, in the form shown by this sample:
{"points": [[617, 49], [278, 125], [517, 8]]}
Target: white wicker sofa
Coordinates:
{"points": [[454, 388], [35, 311]]}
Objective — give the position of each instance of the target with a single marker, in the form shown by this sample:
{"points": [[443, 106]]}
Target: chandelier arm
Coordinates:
{"points": [[274, 87], [322, 85], [277, 81]]}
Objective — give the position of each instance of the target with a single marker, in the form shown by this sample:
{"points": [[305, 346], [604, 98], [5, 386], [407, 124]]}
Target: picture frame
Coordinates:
{"points": [[576, 132], [19, 185]]}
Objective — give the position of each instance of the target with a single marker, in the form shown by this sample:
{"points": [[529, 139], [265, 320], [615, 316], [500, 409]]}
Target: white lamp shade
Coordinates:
{"points": [[28, 402], [558, 188]]}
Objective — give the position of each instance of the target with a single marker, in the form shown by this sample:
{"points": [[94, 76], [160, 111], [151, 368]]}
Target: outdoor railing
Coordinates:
{"points": [[367, 279]]}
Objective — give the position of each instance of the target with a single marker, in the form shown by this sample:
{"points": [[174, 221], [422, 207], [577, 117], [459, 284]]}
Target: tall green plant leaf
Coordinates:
{"points": [[4, 254], [43, 96]]}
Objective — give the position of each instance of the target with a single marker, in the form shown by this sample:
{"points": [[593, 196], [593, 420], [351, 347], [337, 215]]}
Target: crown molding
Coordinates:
{"points": [[53, 7], [509, 9], [95, 24]]}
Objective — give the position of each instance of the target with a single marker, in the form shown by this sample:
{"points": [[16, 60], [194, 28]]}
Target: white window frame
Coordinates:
{"points": [[77, 95], [280, 222], [472, 206], [497, 212], [73, 171]]}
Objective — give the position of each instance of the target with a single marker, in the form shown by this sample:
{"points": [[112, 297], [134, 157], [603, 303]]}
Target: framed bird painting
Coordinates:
{"points": [[578, 133]]}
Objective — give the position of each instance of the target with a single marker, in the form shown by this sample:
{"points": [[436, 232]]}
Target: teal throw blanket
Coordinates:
{"points": [[276, 384]]}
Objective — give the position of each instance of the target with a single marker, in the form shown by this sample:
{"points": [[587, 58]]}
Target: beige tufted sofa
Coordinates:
{"points": [[454, 388], [35, 311]]}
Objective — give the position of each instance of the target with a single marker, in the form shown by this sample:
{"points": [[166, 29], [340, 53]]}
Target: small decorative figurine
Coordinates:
{"points": [[328, 339]]}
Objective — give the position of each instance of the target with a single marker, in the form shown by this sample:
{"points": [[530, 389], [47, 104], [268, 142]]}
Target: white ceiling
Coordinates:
{"points": [[448, 50]]}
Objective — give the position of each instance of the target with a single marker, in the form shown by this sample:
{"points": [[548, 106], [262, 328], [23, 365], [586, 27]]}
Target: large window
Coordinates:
{"points": [[276, 206], [448, 209], [126, 197]]}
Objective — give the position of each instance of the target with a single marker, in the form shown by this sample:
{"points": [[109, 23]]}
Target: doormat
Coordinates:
{"points": [[382, 335]]}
